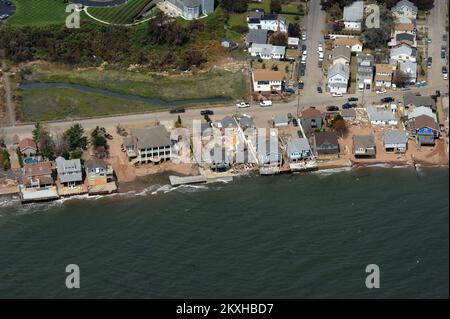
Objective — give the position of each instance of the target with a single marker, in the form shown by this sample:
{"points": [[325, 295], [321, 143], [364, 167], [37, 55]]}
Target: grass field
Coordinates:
{"points": [[38, 13], [123, 14], [60, 103]]}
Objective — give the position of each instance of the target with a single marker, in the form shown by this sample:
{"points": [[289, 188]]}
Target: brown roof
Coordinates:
{"points": [[341, 52], [27, 143], [43, 180], [38, 169], [326, 138], [379, 77], [347, 41], [95, 162], [424, 121], [311, 113], [267, 75], [404, 27], [383, 68]]}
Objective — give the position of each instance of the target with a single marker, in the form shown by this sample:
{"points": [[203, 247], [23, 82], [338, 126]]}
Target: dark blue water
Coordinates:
{"points": [[300, 236]]}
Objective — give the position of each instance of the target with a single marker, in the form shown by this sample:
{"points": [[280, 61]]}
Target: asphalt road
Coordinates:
{"points": [[436, 30], [313, 74]]}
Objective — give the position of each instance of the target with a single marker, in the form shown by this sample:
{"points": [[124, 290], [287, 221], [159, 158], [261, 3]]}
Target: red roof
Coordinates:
{"points": [[37, 169], [27, 143], [311, 113]]}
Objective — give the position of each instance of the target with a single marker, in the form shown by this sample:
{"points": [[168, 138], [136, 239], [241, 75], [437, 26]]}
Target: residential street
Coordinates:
{"points": [[313, 74], [436, 30]]}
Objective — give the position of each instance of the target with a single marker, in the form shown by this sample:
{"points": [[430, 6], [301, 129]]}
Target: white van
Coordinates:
{"points": [[266, 103]]}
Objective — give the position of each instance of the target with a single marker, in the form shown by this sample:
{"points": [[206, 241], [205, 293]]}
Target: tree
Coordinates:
{"points": [[375, 38], [279, 38], [235, 6], [400, 78], [46, 145], [294, 30], [339, 125], [275, 6], [37, 131], [75, 138]]}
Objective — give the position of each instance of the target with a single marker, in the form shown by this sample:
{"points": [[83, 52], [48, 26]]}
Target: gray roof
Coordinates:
{"points": [[418, 100], [280, 118], [395, 137], [402, 3], [405, 36], [354, 12], [342, 51], [380, 116], [150, 137], [94, 162], [421, 110], [257, 36], [246, 121], [256, 14], [68, 170], [409, 68], [228, 121], [364, 141], [339, 68], [404, 49], [298, 145]]}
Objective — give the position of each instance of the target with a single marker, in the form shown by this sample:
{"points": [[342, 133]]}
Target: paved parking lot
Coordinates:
{"points": [[7, 9]]}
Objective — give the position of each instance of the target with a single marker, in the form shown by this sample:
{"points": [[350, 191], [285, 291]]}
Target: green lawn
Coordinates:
{"points": [[123, 14], [38, 13], [59, 103]]}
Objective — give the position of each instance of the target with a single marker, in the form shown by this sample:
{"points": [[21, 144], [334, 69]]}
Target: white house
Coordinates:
{"points": [[354, 44], [267, 51], [406, 9], [338, 77], [395, 141], [267, 80], [381, 116], [263, 21], [353, 15], [409, 68], [341, 55], [404, 53], [383, 75]]}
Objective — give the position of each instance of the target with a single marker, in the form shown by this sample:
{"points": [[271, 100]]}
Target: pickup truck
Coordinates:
{"points": [[266, 103], [242, 105]]}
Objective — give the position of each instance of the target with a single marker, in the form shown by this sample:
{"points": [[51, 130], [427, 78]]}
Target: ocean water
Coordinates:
{"points": [[300, 236]]}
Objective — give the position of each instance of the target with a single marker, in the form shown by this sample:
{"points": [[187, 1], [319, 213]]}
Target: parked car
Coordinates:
{"points": [[301, 85], [242, 105], [332, 108], [346, 106], [319, 89], [429, 40], [387, 99], [429, 62], [337, 94], [352, 99], [302, 72], [303, 47], [174, 111], [206, 112], [108, 136], [444, 72], [381, 91], [294, 122], [443, 50], [289, 90], [266, 103], [320, 64]]}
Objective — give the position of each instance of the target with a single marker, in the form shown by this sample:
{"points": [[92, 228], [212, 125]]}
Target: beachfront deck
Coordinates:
{"points": [[65, 191], [37, 195], [104, 189]]}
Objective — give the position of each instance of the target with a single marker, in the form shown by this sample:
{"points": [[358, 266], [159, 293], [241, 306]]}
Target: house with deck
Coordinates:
{"points": [[256, 36], [341, 55], [267, 81], [395, 141], [412, 100], [148, 145], [69, 172], [383, 75], [364, 146], [326, 143], [264, 21], [425, 129], [364, 76], [379, 115], [38, 182], [98, 172]]}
